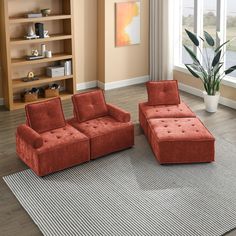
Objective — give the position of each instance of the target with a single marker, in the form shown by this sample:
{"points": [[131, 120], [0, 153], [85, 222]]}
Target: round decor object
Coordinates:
{"points": [[30, 75]]}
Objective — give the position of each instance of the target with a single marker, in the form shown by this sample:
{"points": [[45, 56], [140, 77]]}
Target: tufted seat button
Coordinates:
{"points": [[181, 110], [193, 124], [179, 125], [156, 110], [176, 120], [94, 127], [162, 121], [87, 123], [64, 128], [183, 131], [58, 137], [52, 132], [105, 123], [71, 133], [168, 109], [166, 126], [168, 132], [197, 130], [45, 141]]}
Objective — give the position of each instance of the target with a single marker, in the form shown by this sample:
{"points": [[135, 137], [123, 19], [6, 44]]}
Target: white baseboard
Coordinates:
{"points": [[197, 92], [123, 83], [86, 85]]}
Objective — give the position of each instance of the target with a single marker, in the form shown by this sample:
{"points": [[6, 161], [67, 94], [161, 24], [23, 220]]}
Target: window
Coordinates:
{"points": [[231, 34], [212, 16], [187, 23]]}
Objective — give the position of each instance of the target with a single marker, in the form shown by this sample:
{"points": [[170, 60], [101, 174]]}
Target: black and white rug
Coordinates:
{"points": [[129, 193]]}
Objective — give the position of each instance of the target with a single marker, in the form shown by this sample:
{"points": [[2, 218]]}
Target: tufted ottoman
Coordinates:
{"points": [[181, 140]]}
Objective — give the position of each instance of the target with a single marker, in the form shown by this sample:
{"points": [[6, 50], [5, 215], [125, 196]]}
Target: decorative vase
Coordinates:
{"points": [[211, 101]]}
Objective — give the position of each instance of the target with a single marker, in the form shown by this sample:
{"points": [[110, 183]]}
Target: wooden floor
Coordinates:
{"points": [[14, 220]]}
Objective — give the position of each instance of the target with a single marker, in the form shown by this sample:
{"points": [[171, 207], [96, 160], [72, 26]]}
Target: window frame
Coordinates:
{"points": [[221, 28]]}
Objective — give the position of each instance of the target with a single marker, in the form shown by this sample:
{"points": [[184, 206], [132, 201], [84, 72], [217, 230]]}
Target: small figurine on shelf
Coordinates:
{"points": [[34, 55], [30, 77], [46, 11], [31, 33], [46, 35]]}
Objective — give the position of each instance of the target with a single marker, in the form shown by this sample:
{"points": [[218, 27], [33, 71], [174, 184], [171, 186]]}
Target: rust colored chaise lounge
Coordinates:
{"points": [[174, 132]]}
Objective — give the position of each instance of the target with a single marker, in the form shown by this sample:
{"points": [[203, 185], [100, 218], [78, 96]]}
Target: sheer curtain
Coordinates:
{"points": [[161, 39]]}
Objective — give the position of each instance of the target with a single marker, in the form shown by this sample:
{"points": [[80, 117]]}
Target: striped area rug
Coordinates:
{"points": [[129, 193]]}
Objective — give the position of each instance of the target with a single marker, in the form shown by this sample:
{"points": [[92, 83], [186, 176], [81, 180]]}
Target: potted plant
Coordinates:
{"points": [[210, 70]]}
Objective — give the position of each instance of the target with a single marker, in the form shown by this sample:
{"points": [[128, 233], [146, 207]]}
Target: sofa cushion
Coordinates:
{"points": [[46, 115], [89, 105], [163, 93], [166, 111], [56, 138], [162, 111], [106, 135]]}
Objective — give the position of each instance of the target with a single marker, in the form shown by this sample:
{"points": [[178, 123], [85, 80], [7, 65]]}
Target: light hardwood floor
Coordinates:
{"points": [[13, 218]]}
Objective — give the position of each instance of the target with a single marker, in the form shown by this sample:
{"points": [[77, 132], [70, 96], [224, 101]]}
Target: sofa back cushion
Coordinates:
{"points": [[45, 116], [163, 93], [89, 105]]}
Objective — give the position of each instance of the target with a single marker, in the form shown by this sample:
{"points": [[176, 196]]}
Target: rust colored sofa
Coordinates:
{"points": [[174, 132], [47, 143], [108, 127]]}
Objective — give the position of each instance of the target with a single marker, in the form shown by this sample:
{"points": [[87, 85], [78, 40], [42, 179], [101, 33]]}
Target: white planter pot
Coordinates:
{"points": [[211, 101]]}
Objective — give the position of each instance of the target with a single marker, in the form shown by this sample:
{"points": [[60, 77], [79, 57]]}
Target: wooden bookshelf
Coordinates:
{"points": [[14, 47]]}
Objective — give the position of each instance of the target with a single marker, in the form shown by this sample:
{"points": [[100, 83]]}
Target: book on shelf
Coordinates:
{"points": [[32, 57], [34, 15]]}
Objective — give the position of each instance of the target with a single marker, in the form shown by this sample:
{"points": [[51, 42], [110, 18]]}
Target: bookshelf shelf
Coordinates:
{"points": [[38, 19], [55, 57], [55, 37], [18, 83], [18, 104]]}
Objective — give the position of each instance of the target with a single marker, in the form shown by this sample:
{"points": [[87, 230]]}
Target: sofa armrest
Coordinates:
{"points": [[118, 113], [30, 136]]}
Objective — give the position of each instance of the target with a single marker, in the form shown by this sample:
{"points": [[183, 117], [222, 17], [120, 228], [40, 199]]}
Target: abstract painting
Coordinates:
{"points": [[127, 23]]}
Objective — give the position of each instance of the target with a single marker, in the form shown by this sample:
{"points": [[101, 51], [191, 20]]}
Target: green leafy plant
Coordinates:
{"points": [[209, 71]]}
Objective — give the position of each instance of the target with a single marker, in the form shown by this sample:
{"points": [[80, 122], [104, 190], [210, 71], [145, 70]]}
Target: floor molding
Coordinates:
{"points": [[197, 92], [86, 85], [123, 83]]}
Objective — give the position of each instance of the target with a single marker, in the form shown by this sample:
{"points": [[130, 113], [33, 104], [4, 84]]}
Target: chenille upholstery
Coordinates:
{"points": [[181, 140], [89, 105], [110, 132], [162, 111], [47, 150], [106, 135], [41, 116], [163, 92], [173, 131]]}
